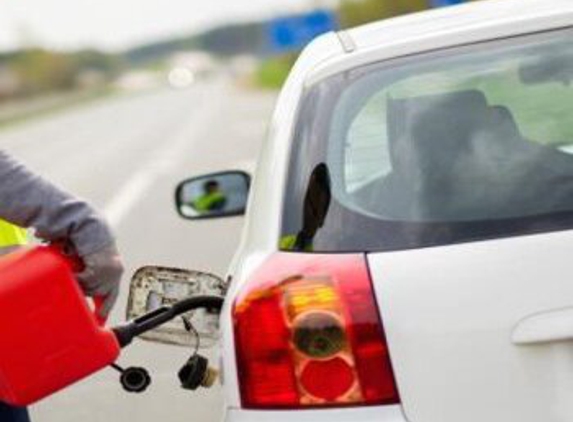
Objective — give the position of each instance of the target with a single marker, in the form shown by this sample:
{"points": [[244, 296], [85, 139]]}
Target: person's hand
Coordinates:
{"points": [[101, 277]]}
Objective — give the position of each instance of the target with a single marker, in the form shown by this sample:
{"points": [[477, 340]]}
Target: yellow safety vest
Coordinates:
{"points": [[11, 235], [288, 243], [209, 202]]}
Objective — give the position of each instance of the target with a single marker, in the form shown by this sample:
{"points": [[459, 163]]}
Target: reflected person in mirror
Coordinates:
{"points": [[213, 198]]}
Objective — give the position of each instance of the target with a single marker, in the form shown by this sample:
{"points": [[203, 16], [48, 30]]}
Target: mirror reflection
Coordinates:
{"points": [[217, 195]]}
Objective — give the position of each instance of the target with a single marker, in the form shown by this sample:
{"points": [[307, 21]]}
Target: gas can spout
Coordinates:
{"points": [[125, 333]]}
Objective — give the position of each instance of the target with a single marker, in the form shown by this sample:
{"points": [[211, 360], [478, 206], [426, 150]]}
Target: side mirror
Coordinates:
{"points": [[213, 195], [154, 287]]}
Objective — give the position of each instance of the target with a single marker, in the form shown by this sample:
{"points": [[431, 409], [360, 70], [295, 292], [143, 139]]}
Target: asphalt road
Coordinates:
{"points": [[126, 155]]}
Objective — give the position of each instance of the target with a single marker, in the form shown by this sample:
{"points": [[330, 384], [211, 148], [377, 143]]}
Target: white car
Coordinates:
{"points": [[408, 247]]}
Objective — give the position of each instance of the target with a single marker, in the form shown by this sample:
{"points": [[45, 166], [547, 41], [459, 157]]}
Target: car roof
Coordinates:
{"points": [[452, 19], [434, 30]]}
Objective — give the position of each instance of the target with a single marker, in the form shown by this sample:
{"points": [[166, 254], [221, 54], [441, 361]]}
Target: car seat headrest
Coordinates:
{"points": [[443, 123]]}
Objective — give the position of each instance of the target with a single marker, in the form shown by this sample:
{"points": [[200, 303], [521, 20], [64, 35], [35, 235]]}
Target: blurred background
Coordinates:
{"points": [[118, 101], [82, 49]]}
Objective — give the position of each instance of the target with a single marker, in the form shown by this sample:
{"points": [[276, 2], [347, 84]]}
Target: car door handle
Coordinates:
{"points": [[546, 327]]}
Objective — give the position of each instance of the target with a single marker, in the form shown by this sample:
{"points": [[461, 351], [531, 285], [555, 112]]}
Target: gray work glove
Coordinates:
{"points": [[101, 277]]}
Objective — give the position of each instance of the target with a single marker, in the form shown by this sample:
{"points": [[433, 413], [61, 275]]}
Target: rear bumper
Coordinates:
{"points": [[362, 414]]}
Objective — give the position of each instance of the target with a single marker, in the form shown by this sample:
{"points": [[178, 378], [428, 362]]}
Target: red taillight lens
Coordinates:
{"points": [[308, 333], [318, 380]]}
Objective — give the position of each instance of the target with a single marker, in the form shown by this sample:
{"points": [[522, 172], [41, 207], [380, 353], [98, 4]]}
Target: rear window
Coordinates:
{"points": [[466, 144]]}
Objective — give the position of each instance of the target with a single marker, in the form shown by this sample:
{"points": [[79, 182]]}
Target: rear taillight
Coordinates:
{"points": [[308, 333]]}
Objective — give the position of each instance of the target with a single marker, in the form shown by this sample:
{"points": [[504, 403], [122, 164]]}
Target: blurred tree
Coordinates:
{"points": [[93, 60], [42, 71], [358, 12]]}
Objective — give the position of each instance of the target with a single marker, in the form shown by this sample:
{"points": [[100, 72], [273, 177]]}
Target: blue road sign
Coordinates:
{"points": [[440, 3], [295, 32]]}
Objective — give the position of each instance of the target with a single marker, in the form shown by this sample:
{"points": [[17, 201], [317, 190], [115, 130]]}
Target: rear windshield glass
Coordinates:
{"points": [[468, 144]]}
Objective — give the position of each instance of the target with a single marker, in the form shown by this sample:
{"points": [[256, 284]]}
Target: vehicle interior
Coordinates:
{"points": [[455, 157]]}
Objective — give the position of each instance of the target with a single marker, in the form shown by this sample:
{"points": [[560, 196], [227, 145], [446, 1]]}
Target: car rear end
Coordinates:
{"points": [[416, 265]]}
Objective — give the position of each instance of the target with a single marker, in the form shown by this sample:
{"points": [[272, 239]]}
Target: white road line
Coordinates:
{"points": [[127, 197], [133, 191]]}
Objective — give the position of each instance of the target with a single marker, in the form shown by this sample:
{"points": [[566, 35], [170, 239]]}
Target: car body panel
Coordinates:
{"points": [[265, 202], [331, 54], [445, 306], [445, 28]]}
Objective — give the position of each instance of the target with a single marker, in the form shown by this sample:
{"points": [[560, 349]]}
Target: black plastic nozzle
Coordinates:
{"points": [[127, 332]]}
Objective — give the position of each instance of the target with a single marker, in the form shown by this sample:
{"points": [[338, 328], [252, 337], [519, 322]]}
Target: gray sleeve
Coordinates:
{"points": [[30, 201]]}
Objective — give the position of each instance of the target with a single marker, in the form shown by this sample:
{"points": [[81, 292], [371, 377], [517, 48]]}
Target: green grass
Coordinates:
{"points": [[273, 72]]}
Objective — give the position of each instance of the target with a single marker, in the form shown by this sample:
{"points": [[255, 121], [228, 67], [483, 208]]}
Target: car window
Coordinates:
{"points": [[465, 139], [459, 145]]}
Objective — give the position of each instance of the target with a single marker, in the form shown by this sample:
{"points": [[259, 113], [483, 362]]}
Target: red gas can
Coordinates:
{"points": [[49, 335]]}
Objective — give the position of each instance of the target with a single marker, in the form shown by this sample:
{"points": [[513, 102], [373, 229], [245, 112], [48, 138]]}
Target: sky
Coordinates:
{"points": [[117, 24]]}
